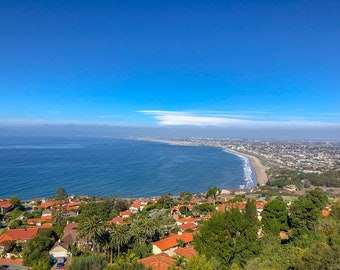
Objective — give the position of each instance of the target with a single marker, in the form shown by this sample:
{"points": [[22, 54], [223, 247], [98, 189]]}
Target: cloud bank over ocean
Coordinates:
{"points": [[222, 119]]}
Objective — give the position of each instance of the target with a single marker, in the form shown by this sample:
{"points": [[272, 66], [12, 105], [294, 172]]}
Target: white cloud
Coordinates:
{"points": [[228, 119]]}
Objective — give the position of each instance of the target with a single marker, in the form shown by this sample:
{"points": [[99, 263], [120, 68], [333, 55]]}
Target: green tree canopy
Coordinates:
{"points": [[15, 201], [229, 237], [213, 192], [92, 229], [61, 194], [274, 217], [318, 197]]}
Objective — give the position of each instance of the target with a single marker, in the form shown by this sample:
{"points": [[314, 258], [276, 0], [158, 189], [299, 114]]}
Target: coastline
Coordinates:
{"points": [[259, 168]]}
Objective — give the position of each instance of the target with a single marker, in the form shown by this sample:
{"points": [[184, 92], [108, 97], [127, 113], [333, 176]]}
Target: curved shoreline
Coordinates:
{"points": [[260, 169]]}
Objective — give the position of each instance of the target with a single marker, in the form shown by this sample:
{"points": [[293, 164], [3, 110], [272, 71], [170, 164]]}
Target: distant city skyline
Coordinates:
{"points": [[171, 67]]}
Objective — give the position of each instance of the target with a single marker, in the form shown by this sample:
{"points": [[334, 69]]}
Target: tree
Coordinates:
{"points": [[229, 237], [213, 192], [137, 234], [60, 196], [320, 256], [92, 229], [127, 262], [165, 201], [186, 196], [36, 249], [89, 262], [42, 264], [121, 205], [335, 213], [16, 224], [15, 201], [274, 217], [303, 215], [119, 236], [318, 197], [102, 210], [200, 262]]}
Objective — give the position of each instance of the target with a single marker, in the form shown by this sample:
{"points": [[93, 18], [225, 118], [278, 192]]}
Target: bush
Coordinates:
{"points": [[90, 262]]}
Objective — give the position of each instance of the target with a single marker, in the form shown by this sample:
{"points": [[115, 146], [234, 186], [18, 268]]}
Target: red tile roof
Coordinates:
{"points": [[116, 220], [260, 205], [47, 204], [160, 261], [71, 226], [188, 226], [187, 220], [188, 252], [5, 204], [171, 241], [325, 212], [39, 220], [195, 200], [46, 225], [125, 213], [72, 206], [21, 234]]}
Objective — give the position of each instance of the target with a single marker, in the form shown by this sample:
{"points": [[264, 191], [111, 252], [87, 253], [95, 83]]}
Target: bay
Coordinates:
{"points": [[33, 167]]}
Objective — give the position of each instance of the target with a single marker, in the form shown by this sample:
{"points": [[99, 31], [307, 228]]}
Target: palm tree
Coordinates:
{"points": [[92, 229], [213, 192], [137, 235], [119, 236], [149, 226]]}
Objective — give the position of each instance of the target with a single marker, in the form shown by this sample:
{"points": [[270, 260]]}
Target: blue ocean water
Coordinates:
{"points": [[35, 167]]}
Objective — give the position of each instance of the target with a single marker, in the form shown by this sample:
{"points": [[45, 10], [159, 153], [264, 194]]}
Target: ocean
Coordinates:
{"points": [[32, 167]]}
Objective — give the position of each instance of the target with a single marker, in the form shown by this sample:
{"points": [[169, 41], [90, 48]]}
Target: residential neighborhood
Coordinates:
{"points": [[180, 225]]}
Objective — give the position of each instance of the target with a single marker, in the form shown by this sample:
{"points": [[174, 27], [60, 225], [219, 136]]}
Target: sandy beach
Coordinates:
{"points": [[260, 169]]}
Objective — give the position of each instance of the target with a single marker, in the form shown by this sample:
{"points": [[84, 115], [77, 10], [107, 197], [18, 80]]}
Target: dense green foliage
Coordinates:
{"points": [[293, 236], [88, 262], [283, 177], [313, 242], [329, 179], [213, 192], [229, 237], [274, 217]]}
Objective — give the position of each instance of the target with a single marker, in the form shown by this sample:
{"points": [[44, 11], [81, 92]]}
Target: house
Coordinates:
{"points": [[187, 252], [125, 214], [19, 234], [170, 243], [72, 206], [290, 187], [47, 205], [188, 226], [39, 221], [161, 261], [116, 220], [61, 247], [46, 213], [5, 207], [186, 220], [137, 206], [195, 200], [325, 212]]}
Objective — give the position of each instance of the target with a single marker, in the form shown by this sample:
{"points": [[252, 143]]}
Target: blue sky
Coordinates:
{"points": [[251, 64]]}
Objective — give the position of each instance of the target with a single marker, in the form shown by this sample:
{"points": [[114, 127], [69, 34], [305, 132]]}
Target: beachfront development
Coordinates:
{"points": [[160, 232], [302, 155], [172, 230]]}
